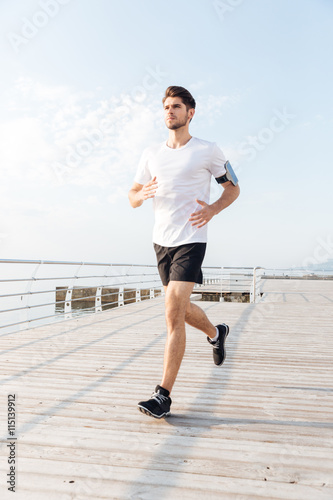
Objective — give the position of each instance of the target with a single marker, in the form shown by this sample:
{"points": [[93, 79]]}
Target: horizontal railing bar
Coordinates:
{"points": [[66, 313], [52, 316], [108, 264], [14, 280], [24, 308], [225, 277], [224, 288], [77, 299], [116, 285], [60, 302], [73, 263], [225, 267], [225, 282]]}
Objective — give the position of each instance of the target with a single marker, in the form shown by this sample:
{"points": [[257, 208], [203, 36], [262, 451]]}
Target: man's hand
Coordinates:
{"points": [[201, 217], [139, 193], [206, 213], [149, 189]]}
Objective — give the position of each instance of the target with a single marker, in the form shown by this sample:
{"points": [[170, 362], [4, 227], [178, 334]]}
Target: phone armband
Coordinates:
{"points": [[228, 176]]}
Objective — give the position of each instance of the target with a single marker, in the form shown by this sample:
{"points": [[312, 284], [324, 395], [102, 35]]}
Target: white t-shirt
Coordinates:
{"points": [[183, 175]]}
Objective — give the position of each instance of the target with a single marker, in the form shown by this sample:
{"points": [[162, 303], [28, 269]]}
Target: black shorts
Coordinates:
{"points": [[181, 263]]}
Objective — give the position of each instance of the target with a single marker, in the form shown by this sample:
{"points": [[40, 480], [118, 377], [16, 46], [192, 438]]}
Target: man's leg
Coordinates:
{"points": [[176, 303], [197, 318]]}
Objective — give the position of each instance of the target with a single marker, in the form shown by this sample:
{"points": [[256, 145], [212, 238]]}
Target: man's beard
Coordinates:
{"points": [[177, 125]]}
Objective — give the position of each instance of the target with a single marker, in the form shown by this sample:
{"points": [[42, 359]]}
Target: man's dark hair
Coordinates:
{"points": [[184, 94]]}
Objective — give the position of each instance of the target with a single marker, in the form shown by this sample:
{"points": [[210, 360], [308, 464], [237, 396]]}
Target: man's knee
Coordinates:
{"points": [[177, 302], [175, 313]]}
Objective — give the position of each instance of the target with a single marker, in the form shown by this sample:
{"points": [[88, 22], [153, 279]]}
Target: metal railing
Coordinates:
{"points": [[231, 281], [36, 292], [255, 292]]}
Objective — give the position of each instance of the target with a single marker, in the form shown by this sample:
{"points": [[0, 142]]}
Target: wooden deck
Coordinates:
{"points": [[259, 427]]}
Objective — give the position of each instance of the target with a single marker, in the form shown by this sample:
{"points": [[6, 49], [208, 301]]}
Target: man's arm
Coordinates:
{"points": [[139, 192], [207, 212]]}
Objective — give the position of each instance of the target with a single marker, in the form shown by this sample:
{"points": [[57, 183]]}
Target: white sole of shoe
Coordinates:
{"points": [[150, 414]]}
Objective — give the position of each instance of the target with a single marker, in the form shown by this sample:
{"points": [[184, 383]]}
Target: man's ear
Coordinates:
{"points": [[191, 113]]}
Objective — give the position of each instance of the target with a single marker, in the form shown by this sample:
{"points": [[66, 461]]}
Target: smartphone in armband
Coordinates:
{"points": [[228, 176]]}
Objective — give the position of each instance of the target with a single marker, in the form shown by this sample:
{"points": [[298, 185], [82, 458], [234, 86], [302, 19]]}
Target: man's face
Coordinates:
{"points": [[175, 113]]}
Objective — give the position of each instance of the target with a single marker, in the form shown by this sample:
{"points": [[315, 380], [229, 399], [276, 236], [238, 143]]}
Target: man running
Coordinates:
{"points": [[177, 175]]}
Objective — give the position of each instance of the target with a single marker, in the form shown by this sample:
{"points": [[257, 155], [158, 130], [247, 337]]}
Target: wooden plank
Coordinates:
{"points": [[258, 427]]}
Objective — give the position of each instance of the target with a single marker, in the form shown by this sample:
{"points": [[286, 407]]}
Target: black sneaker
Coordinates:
{"points": [[218, 346], [158, 405]]}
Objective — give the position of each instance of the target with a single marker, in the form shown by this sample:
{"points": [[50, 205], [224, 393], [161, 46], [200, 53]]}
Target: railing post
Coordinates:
{"points": [[27, 297], [121, 297], [98, 299], [221, 295], [253, 293], [253, 286], [68, 303], [138, 295], [152, 293], [69, 294]]}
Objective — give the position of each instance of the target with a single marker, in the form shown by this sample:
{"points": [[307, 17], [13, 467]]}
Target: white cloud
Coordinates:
{"points": [[71, 137], [216, 104], [57, 134], [210, 107], [24, 148], [95, 144], [195, 87]]}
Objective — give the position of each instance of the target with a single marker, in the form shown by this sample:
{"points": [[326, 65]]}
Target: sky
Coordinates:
{"points": [[80, 99]]}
